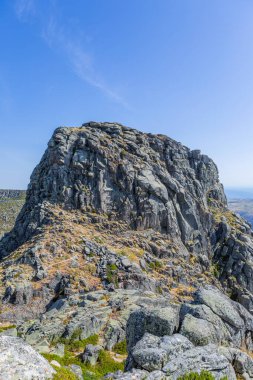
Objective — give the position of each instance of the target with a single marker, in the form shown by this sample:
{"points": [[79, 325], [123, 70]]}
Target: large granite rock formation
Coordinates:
{"points": [[149, 181], [127, 235]]}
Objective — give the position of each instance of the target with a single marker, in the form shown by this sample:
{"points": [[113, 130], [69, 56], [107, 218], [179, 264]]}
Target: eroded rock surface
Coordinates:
{"points": [[18, 360]]}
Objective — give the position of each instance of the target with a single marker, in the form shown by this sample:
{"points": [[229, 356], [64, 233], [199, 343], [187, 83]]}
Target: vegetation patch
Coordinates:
{"points": [[203, 375], [105, 364], [63, 374], [120, 347], [4, 328], [215, 270], [155, 265], [74, 343], [112, 274]]}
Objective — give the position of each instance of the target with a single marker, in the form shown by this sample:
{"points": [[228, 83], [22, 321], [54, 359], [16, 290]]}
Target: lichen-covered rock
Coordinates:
{"points": [[18, 360], [152, 353], [159, 322], [199, 331], [137, 374], [176, 356], [91, 353], [241, 361], [228, 321], [197, 359], [149, 181], [220, 304]]}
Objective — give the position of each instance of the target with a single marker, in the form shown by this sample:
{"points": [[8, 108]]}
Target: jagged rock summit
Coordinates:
{"points": [[126, 236], [149, 181]]}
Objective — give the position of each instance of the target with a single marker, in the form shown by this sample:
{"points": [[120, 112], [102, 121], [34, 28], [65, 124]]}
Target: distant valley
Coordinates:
{"points": [[11, 202], [243, 207]]}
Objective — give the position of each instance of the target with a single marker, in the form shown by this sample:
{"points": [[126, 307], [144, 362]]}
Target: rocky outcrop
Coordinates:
{"points": [[176, 356], [127, 235], [207, 334], [18, 360], [88, 315], [149, 181], [233, 257]]}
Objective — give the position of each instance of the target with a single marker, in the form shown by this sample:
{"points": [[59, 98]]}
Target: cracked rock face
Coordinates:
{"points": [[149, 181], [120, 235]]}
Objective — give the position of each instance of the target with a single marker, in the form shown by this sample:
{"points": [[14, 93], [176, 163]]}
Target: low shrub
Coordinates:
{"points": [[4, 328], [63, 374], [105, 364], [74, 343], [203, 375], [120, 347]]}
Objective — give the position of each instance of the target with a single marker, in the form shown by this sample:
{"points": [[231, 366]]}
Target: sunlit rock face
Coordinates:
{"points": [[149, 181]]}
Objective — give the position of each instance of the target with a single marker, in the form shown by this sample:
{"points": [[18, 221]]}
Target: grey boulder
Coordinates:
{"points": [[197, 359], [152, 353], [91, 354], [18, 360], [159, 322]]}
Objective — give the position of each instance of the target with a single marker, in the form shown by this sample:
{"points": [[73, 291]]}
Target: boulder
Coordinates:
{"points": [[77, 370], [199, 331], [220, 304], [214, 329], [152, 353], [241, 361], [159, 322], [136, 374], [18, 360], [197, 359], [91, 353]]}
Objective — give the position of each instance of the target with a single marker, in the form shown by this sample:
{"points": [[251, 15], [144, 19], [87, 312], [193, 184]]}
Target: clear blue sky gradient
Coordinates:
{"points": [[182, 68]]}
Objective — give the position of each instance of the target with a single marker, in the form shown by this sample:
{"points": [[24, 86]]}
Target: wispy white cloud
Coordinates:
{"points": [[24, 8], [81, 61], [59, 37]]}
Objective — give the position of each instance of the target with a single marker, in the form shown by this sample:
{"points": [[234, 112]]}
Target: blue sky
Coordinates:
{"points": [[179, 67]]}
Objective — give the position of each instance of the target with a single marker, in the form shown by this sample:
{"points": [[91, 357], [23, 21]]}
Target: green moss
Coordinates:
{"points": [[104, 365], [215, 270], [120, 348], [63, 374], [51, 357], [204, 375], [112, 266], [112, 274], [7, 328], [155, 265], [75, 343]]}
